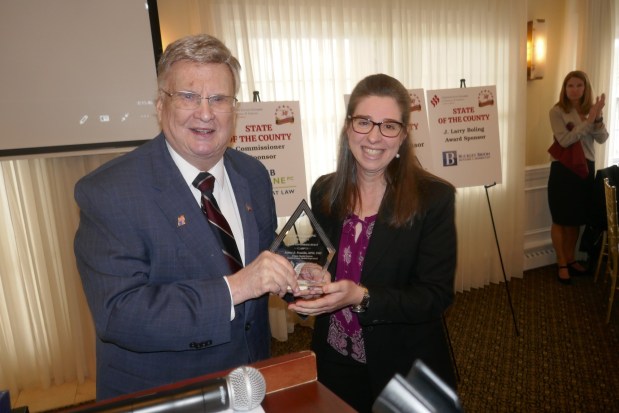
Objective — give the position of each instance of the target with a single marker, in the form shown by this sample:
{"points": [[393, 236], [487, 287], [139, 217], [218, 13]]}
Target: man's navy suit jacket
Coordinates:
{"points": [[152, 271]]}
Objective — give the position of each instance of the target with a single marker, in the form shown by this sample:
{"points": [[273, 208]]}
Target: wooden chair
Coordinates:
{"points": [[603, 253], [612, 235]]}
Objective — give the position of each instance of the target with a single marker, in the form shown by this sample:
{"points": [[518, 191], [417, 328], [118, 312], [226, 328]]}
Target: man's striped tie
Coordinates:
{"points": [[205, 183]]}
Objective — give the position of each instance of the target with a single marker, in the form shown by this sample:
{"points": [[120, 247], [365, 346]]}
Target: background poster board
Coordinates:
{"points": [[464, 130], [271, 133], [419, 130]]}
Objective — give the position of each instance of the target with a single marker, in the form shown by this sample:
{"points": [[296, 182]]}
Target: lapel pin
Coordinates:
{"points": [[248, 208], [180, 221]]}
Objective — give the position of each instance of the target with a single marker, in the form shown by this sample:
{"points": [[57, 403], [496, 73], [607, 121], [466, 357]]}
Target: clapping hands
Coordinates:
{"points": [[596, 109]]}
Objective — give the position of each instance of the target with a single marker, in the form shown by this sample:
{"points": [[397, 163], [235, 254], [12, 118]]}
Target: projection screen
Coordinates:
{"points": [[76, 74]]}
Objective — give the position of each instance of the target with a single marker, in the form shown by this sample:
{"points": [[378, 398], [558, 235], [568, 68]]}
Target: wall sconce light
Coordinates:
{"points": [[536, 49]]}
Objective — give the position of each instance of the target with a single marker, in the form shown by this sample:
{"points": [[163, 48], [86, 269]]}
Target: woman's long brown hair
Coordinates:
{"points": [[405, 177]]}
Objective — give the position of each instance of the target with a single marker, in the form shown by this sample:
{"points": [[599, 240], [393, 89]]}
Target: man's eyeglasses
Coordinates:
{"points": [[192, 101], [389, 128]]}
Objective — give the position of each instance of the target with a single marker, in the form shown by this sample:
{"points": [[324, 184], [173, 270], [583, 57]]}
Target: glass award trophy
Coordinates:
{"points": [[303, 242]]}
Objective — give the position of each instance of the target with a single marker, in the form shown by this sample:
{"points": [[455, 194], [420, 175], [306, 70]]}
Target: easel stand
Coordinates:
{"points": [[496, 238]]}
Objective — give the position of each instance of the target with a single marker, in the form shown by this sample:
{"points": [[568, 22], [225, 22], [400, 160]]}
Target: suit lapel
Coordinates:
{"points": [[245, 207], [248, 220], [182, 212], [380, 243]]}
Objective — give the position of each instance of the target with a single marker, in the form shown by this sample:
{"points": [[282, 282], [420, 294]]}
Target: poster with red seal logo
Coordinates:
{"points": [[271, 133], [464, 135]]}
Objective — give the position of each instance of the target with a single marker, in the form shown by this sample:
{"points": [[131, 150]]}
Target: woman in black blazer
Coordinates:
{"points": [[393, 277]]}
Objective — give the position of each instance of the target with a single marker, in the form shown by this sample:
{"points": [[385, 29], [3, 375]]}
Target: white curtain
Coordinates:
{"points": [[313, 51], [589, 42], [595, 55], [46, 332]]}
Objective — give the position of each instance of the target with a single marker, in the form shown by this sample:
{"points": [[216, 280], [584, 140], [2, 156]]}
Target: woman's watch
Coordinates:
{"points": [[365, 301]]}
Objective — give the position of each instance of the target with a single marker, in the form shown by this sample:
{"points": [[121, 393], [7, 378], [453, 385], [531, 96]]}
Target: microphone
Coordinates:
{"points": [[242, 390]]}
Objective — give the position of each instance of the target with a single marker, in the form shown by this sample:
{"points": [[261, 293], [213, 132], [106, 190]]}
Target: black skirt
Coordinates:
{"points": [[569, 196]]}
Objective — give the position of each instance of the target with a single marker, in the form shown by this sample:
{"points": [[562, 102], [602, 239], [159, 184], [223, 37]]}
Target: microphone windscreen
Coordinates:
{"points": [[247, 388]]}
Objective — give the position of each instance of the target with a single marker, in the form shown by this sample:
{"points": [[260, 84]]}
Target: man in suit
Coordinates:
{"points": [[165, 301]]}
